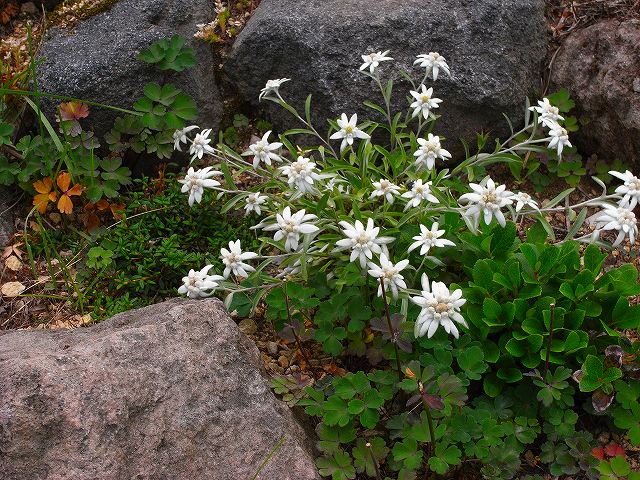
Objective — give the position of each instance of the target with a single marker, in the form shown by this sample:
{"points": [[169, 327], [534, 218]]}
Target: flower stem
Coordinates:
{"points": [[552, 308], [375, 462], [390, 325], [295, 334]]}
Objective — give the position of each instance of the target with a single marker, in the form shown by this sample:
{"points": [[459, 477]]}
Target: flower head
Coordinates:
{"points": [[253, 202], [363, 242], [272, 86], [429, 150], [433, 62], [200, 145], [487, 200], [630, 189], [618, 218], [390, 274], [430, 238], [439, 307], [195, 181], [424, 101], [559, 139], [547, 113], [419, 192], [348, 131], [372, 60], [384, 188], [522, 199], [180, 136], [302, 175], [289, 226], [233, 260], [196, 284], [263, 151]]}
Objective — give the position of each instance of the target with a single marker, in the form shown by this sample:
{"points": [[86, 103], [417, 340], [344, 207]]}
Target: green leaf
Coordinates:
{"points": [[407, 452]]}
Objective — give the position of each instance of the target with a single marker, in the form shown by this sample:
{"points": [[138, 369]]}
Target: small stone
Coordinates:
{"points": [[13, 289], [248, 326], [283, 361], [272, 348], [29, 7], [13, 263]]}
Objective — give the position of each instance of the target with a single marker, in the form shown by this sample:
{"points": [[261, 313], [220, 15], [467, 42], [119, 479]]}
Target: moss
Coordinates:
{"points": [[69, 12]]}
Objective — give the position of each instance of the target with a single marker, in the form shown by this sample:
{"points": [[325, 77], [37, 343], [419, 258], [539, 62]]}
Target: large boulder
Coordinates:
{"points": [[494, 49], [170, 391], [97, 59], [600, 66]]}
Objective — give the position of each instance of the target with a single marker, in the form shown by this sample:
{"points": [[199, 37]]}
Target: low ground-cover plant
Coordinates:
{"points": [[495, 324]]}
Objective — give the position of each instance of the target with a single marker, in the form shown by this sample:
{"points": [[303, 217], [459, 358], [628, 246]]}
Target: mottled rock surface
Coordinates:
{"points": [[97, 59], [8, 198], [170, 391], [600, 66], [494, 49]]}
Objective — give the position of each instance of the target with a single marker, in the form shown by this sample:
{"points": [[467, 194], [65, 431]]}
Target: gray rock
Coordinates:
{"points": [[599, 66], [494, 49], [97, 59], [170, 391], [8, 198]]}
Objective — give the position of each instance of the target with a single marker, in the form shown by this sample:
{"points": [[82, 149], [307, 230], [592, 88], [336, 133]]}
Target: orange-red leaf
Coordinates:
{"points": [[74, 110], [65, 205], [75, 190], [63, 181], [41, 200], [43, 186]]}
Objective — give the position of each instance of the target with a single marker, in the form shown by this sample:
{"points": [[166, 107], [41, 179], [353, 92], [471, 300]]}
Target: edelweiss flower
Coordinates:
{"points": [[559, 139], [384, 188], [289, 226], [272, 86], [180, 136], [372, 60], [301, 175], [200, 145], [488, 200], [418, 193], [335, 183], [429, 151], [430, 238], [439, 307], [617, 218], [523, 199], [233, 260], [262, 151], [547, 113], [390, 274], [253, 202], [630, 189], [424, 101], [195, 283], [364, 242], [433, 62], [195, 181], [348, 131]]}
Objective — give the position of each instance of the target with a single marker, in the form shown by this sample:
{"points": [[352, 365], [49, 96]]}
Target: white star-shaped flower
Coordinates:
{"points": [[617, 218], [199, 284], [424, 101], [363, 242], [522, 199], [180, 136], [548, 115], [195, 181], [263, 151], [559, 139], [253, 203], [630, 189], [290, 226], [487, 200], [384, 188], [372, 60], [429, 151], [430, 238], [272, 86], [439, 307], [348, 131], [433, 62], [419, 192], [390, 274], [302, 175], [234, 258], [200, 145]]}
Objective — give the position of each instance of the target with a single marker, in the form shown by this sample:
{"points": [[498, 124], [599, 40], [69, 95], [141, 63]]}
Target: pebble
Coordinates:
{"points": [[283, 361], [28, 7], [248, 326], [272, 348]]}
